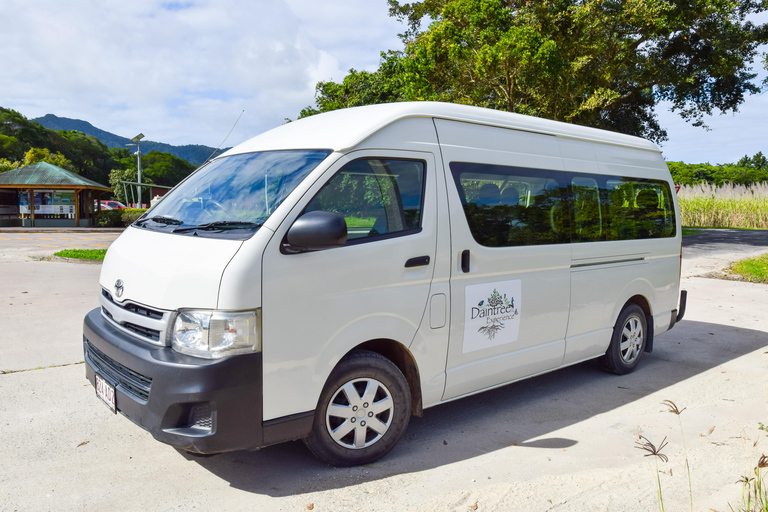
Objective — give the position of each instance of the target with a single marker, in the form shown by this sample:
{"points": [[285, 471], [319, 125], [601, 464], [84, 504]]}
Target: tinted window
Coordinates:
{"points": [[508, 206], [638, 208], [377, 197], [616, 208]]}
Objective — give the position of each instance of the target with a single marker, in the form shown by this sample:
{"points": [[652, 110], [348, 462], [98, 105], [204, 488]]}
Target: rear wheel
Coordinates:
{"points": [[362, 412], [630, 335]]}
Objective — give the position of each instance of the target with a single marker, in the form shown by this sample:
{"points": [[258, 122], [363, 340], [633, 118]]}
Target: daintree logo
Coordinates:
{"points": [[492, 314], [496, 310]]}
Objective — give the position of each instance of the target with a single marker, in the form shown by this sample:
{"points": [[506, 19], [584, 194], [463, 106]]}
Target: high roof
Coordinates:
{"points": [[344, 129], [43, 174]]}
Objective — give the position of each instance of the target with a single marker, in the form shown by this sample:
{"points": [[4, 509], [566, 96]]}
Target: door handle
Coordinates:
{"points": [[418, 261], [465, 261]]}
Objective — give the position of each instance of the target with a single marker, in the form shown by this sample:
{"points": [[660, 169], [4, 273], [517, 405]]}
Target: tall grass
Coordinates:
{"points": [[727, 206]]}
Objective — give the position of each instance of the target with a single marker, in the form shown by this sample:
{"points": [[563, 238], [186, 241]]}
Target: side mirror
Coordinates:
{"points": [[315, 231]]}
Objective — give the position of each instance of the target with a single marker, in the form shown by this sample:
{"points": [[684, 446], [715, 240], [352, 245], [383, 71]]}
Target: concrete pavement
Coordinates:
{"points": [[562, 441]]}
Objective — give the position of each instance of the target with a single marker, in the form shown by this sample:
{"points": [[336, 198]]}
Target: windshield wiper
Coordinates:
{"points": [[220, 225], [160, 219]]}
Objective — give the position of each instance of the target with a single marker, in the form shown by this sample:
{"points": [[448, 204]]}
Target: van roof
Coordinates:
{"points": [[341, 130]]}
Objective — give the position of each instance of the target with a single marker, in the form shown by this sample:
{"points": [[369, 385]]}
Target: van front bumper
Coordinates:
{"points": [[199, 405]]}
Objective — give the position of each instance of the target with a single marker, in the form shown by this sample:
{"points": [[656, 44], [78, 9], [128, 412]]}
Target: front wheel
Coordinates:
{"points": [[362, 413], [630, 335]]}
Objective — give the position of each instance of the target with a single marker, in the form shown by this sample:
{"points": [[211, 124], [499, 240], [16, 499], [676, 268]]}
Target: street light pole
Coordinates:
{"points": [[137, 141]]}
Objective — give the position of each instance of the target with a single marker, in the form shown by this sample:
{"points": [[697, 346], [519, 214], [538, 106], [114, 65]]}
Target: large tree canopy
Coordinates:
{"points": [[603, 63]]}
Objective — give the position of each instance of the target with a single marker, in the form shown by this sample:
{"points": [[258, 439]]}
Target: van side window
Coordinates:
{"points": [[377, 197], [638, 209], [511, 206], [587, 212]]}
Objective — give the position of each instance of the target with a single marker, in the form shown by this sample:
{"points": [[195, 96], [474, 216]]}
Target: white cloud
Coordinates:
{"points": [[181, 71]]}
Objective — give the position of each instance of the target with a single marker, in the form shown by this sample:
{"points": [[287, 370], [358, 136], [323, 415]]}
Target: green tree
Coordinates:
{"points": [[89, 155], [164, 168], [19, 134], [759, 161], [358, 88], [602, 63], [9, 146], [35, 155], [7, 165], [691, 174], [117, 176]]}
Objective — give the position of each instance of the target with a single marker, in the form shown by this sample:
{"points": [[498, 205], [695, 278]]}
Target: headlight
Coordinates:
{"points": [[215, 334]]}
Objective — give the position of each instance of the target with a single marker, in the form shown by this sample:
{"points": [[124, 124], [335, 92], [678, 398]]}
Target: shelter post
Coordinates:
{"points": [[77, 207], [31, 196]]}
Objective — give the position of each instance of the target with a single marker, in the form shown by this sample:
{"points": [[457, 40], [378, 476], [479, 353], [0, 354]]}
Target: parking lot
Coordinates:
{"points": [[561, 441], [21, 246]]}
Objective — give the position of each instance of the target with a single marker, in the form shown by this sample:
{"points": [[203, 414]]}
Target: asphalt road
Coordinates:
{"points": [[724, 241], [712, 250], [562, 441]]}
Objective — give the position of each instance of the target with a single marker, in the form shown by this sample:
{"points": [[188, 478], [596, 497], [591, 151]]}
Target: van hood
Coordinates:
{"points": [[167, 271]]}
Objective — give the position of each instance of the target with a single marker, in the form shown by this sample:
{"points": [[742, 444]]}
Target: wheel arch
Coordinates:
{"points": [[643, 303], [405, 362]]}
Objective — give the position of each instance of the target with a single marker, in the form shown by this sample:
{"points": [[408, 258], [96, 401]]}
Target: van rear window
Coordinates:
{"points": [[513, 206]]}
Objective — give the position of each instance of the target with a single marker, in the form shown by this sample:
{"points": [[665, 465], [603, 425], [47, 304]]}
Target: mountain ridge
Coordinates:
{"points": [[195, 154]]}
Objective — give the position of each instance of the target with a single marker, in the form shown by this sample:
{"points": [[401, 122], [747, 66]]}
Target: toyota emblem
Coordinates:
{"points": [[119, 287]]}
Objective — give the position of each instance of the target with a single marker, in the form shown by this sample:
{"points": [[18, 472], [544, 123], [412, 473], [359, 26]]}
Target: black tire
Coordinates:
{"points": [[368, 430], [631, 330]]}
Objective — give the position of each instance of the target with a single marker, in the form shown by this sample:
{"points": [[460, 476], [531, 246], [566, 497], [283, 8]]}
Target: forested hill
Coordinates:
{"points": [[195, 154]]}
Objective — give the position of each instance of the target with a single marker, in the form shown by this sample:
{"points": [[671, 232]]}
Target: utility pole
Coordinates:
{"points": [[137, 141]]}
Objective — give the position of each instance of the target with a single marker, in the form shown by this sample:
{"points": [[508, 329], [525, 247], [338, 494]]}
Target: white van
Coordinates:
{"points": [[329, 278]]}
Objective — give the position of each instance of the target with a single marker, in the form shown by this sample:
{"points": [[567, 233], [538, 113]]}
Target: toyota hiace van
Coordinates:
{"points": [[329, 278]]}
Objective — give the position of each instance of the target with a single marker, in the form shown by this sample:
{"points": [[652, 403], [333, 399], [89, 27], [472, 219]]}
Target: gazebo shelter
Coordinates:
{"points": [[45, 195]]}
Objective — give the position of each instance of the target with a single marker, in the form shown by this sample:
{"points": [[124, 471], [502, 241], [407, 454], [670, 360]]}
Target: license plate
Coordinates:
{"points": [[106, 392]]}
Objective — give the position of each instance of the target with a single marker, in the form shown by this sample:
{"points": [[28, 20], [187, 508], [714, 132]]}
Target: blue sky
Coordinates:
{"points": [[182, 71]]}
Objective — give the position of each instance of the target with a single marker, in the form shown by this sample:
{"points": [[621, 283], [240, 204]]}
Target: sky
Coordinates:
{"points": [[182, 72]]}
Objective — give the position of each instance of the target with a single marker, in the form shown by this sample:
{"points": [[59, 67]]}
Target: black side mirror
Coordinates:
{"points": [[315, 231]]}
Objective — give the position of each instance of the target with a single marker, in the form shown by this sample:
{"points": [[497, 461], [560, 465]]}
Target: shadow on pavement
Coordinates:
{"points": [[516, 414], [726, 239]]}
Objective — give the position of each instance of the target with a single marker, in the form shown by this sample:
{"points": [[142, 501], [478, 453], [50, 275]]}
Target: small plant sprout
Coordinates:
{"points": [[759, 490], [754, 492], [647, 446], [674, 409]]}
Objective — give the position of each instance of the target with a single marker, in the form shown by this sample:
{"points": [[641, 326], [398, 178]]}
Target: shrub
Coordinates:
{"points": [[109, 219], [129, 216], [118, 218]]}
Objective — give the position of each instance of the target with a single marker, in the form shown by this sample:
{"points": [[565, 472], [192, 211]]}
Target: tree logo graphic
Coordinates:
{"points": [[498, 309]]}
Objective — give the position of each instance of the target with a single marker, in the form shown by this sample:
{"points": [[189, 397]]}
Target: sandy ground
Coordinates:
{"points": [[563, 441]]}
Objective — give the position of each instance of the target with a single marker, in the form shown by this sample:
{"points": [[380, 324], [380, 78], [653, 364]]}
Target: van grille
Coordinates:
{"points": [[135, 308], [129, 381], [145, 332], [141, 321]]}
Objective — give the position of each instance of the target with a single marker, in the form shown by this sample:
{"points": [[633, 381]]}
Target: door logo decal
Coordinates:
{"points": [[492, 314]]}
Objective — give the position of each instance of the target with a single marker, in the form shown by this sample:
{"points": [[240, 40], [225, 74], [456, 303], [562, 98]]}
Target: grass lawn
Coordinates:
{"points": [[360, 222], [753, 269], [82, 254]]}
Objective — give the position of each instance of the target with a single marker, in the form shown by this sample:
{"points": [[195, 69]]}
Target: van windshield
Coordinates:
{"points": [[232, 197]]}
